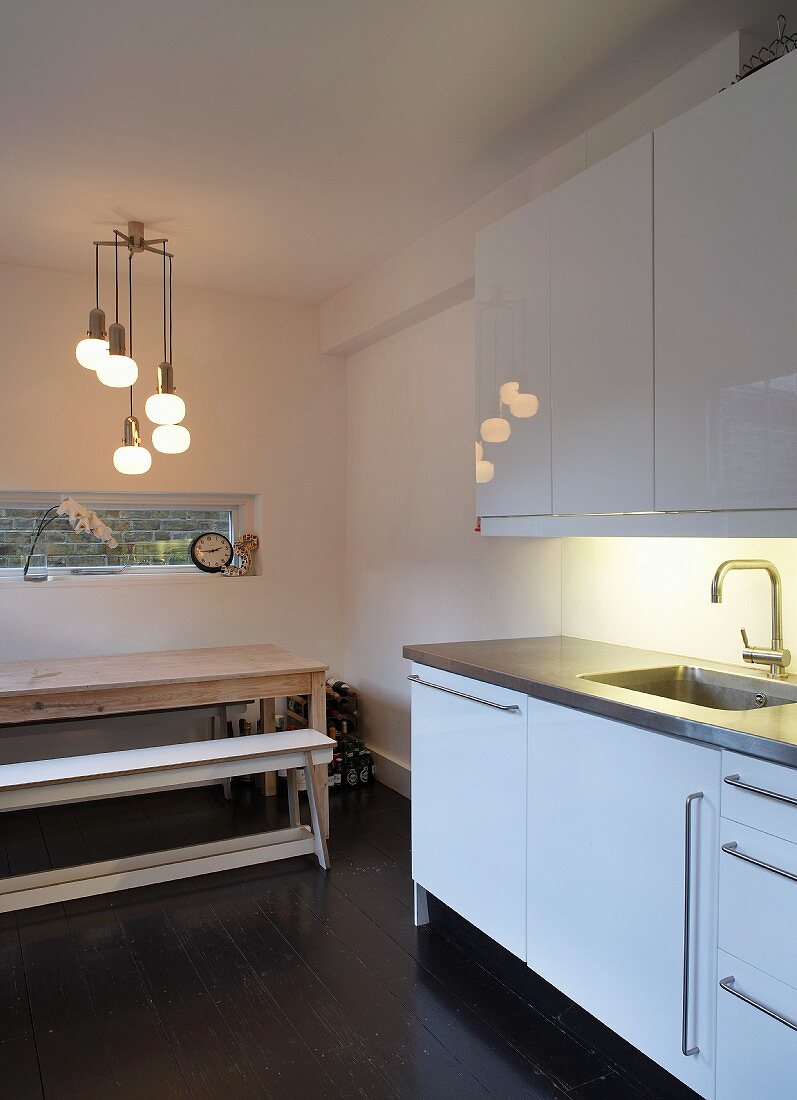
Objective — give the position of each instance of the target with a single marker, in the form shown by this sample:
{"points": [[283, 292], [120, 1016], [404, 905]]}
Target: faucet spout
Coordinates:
{"points": [[776, 656]]}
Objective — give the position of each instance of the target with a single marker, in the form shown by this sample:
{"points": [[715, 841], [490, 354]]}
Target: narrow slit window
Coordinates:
{"points": [[150, 537]]}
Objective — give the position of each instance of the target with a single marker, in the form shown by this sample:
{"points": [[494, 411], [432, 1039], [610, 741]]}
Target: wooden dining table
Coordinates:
{"points": [[57, 689]]}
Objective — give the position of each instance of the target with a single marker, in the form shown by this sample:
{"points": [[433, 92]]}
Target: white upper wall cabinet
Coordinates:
{"points": [[513, 345], [726, 299], [602, 335]]}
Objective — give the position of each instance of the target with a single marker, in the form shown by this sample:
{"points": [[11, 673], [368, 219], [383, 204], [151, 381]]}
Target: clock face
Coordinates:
{"points": [[209, 552]]}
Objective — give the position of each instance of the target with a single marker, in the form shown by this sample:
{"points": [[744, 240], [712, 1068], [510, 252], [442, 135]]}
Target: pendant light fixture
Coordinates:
{"points": [[111, 356], [93, 349], [131, 457], [119, 370], [164, 408]]}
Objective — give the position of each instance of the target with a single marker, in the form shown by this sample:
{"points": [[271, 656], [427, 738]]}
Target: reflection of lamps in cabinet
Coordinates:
{"points": [[495, 429], [524, 405], [508, 335], [485, 471]]}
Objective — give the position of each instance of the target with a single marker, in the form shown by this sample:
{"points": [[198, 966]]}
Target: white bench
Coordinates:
{"points": [[39, 783]]}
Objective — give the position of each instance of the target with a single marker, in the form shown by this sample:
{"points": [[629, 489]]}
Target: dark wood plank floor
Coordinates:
{"points": [[277, 981]]}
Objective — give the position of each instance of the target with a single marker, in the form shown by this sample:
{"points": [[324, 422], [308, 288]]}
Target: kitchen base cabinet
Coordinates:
{"points": [[756, 1034], [611, 901], [469, 801]]}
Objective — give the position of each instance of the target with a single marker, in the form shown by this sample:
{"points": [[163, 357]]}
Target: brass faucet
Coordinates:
{"points": [[776, 657]]}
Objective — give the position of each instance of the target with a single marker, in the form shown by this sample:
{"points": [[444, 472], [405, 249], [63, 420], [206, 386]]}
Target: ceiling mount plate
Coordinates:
{"points": [[135, 233]]}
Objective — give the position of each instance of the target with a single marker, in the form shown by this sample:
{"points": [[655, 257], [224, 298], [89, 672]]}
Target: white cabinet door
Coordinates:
{"points": [[756, 1052], [469, 801], [513, 345], [725, 276], [602, 335], [607, 884]]}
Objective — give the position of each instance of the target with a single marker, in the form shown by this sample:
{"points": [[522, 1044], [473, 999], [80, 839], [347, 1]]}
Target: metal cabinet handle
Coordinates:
{"points": [[512, 708], [735, 781], [732, 849], [728, 986], [685, 1048]]}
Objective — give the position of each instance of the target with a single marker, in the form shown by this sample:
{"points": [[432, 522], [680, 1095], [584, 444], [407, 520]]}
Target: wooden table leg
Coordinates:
{"points": [[317, 720], [268, 724]]}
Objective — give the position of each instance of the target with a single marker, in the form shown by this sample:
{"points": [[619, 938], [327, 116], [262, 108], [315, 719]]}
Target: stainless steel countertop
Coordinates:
{"points": [[549, 668]]}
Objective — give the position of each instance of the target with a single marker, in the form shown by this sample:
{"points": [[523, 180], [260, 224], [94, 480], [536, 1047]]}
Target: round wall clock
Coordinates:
{"points": [[211, 552]]}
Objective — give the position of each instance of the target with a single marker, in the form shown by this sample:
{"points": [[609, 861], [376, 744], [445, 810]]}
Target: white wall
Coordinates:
{"points": [[415, 569], [654, 593], [415, 572], [437, 270], [267, 416]]}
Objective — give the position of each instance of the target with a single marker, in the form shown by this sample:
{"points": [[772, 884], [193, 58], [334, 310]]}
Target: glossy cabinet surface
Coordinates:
{"points": [[469, 802], [774, 812], [602, 335], [513, 344], [756, 1054], [649, 302], [758, 906], [606, 880], [725, 275]]}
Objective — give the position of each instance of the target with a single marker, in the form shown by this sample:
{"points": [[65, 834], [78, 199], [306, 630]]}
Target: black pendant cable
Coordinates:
{"points": [[130, 315], [116, 275], [171, 313], [166, 356]]}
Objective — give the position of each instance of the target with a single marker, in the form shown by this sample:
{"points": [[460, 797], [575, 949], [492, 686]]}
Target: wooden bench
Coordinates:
{"points": [[39, 783]]}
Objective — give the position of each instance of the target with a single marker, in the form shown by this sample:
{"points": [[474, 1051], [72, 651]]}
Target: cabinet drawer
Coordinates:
{"points": [[771, 806], [758, 905], [756, 1053]]}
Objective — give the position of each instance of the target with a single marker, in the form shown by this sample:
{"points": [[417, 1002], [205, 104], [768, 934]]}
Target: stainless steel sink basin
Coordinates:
{"points": [[700, 686]]}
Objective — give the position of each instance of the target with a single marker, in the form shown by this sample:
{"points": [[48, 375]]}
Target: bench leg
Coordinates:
{"points": [[314, 798], [317, 720], [293, 797]]}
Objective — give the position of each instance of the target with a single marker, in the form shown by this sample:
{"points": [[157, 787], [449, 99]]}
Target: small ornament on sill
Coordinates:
{"points": [[244, 549]]}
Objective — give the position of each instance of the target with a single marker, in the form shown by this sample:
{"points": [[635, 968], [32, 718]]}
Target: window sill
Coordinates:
{"points": [[69, 580]]}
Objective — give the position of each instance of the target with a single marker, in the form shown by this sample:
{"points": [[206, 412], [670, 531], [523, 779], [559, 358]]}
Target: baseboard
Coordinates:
{"points": [[393, 773]]}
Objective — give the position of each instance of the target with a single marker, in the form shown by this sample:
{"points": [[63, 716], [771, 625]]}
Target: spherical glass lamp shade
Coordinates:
{"points": [[117, 371], [495, 429], [479, 451], [524, 405], [165, 408], [171, 439], [90, 352], [132, 460], [508, 391], [485, 471]]}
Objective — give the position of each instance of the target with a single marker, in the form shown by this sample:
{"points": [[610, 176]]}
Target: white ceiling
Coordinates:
{"points": [[288, 146]]}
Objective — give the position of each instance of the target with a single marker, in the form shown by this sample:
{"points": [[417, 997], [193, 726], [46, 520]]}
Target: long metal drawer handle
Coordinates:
{"points": [[512, 708], [728, 986], [685, 1048], [735, 781], [732, 849]]}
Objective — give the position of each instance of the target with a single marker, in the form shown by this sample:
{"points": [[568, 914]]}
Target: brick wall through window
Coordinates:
{"points": [[146, 536]]}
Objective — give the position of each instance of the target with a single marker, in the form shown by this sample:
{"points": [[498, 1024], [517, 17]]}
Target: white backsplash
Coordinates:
{"points": [[655, 594]]}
